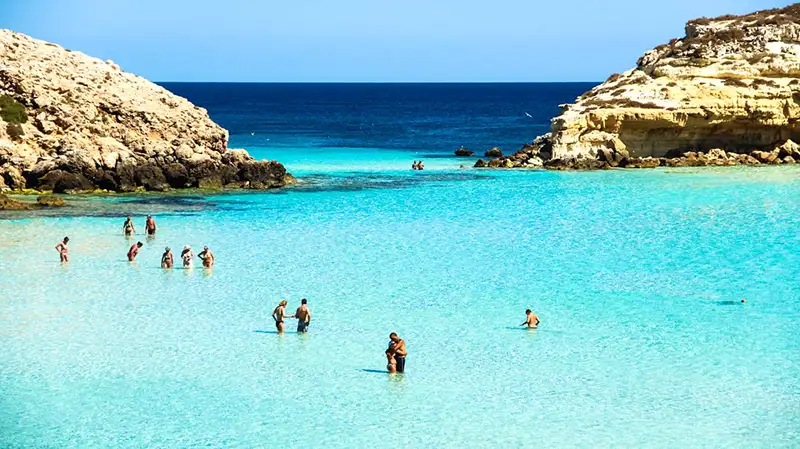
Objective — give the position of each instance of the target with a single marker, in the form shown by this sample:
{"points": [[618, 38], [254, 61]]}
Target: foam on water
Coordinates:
{"points": [[636, 277]]}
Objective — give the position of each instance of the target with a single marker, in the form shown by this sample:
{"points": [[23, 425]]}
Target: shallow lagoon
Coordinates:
{"points": [[636, 276]]}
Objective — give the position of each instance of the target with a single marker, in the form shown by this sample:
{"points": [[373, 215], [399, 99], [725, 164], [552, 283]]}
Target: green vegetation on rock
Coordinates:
{"points": [[12, 111]]}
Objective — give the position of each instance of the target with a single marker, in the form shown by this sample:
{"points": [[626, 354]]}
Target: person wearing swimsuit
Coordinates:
{"points": [[303, 316], [128, 229], [134, 251], [186, 256], [150, 226], [63, 251], [167, 259], [397, 348], [391, 363], [207, 257], [278, 315]]}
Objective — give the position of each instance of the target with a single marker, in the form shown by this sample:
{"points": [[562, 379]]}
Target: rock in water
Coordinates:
{"points": [[494, 152], [463, 152], [732, 83], [70, 122], [7, 203], [50, 201]]}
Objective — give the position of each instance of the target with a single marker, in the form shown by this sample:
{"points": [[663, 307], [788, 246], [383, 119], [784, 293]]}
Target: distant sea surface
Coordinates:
{"points": [[346, 124], [637, 276]]}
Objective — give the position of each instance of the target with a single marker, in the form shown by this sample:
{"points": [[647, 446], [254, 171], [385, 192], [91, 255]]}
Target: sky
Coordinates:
{"points": [[365, 40]]}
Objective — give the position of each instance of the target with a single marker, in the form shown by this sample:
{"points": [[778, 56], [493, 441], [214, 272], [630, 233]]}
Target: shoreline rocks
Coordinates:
{"points": [[71, 123], [537, 155]]}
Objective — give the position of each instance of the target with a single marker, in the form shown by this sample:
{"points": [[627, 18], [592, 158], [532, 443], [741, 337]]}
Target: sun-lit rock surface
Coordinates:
{"points": [[89, 125], [731, 83]]}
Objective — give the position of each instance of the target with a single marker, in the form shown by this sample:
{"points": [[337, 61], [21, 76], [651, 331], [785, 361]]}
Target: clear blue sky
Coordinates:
{"points": [[364, 40]]}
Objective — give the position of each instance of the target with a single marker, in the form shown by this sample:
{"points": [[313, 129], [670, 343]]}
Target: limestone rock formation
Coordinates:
{"points": [[732, 83], [70, 122]]}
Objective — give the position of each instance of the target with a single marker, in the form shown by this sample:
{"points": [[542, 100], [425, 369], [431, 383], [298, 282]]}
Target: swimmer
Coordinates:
{"points": [[63, 251], [207, 257], [420, 166], [303, 316], [414, 165], [167, 260], [134, 251], [186, 256], [531, 321], [744, 300], [278, 315], [150, 226], [128, 228]]}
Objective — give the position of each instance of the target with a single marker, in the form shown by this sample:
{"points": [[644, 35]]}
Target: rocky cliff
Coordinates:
{"points": [[70, 122], [731, 85]]}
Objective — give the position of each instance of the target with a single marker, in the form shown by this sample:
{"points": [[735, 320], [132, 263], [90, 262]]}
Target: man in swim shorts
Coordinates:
{"points": [[134, 251], [150, 226], [63, 251], [303, 316], [397, 348], [278, 315], [531, 320]]}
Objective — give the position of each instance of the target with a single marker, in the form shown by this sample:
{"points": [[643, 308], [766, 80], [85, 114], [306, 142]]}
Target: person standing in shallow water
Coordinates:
{"points": [[134, 251], [397, 349], [186, 256], [278, 315], [414, 165], [167, 261], [531, 320], [207, 257], [150, 226], [127, 228], [303, 316], [63, 250]]}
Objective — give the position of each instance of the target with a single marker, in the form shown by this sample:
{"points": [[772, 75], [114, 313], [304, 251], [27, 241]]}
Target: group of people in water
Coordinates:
{"points": [[167, 259], [418, 165], [396, 352]]}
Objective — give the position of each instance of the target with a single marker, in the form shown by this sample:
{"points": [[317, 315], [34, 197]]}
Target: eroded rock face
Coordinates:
{"points": [[91, 125], [732, 83]]}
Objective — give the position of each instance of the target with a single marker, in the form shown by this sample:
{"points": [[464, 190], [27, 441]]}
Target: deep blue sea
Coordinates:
{"points": [[637, 276]]}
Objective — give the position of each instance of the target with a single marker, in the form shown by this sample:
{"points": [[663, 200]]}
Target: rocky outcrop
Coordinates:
{"points": [[50, 201], [70, 122], [494, 152], [537, 155], [7, 203], [732, 83], [463, 152]]}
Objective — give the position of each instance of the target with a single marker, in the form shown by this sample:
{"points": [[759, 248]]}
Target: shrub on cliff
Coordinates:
{"points": [[11, 111], [14, 130]]}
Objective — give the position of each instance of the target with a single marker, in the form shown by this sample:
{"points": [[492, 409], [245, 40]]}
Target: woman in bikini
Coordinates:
{"points": [[63, 251], [278, 315], [128, 229]]}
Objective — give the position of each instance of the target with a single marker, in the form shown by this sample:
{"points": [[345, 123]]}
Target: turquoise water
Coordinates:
{"points": [[636, 276]]}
